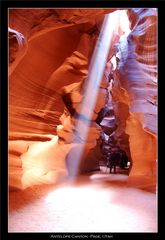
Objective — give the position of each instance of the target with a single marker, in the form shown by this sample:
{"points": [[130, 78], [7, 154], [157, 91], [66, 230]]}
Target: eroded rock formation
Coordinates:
{"points": [[135, 91], [50, 53]]}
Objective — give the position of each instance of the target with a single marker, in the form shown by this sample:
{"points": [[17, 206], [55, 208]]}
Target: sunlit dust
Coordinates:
{"points": [[95, 74]]}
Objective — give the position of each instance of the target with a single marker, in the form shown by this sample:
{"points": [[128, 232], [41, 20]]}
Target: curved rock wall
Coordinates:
{"points": [[50, 52], [35, 101], [55, 57], [137, 77], [31, 23]]}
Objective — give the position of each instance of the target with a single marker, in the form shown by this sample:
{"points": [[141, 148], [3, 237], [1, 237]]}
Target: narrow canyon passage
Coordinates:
{"points": [[82, 149]]}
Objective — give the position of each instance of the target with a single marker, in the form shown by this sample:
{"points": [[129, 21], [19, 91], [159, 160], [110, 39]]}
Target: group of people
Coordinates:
{"points": [[114, 155], [117, 157]]}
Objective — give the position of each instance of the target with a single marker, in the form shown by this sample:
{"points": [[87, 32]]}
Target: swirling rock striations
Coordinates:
{"points": [[37, 81], [50, 52], [137, 80]]}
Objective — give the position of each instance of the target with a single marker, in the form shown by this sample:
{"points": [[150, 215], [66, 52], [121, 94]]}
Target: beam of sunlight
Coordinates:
{"points": [[44, 152], [124, 21], [91, 86]]}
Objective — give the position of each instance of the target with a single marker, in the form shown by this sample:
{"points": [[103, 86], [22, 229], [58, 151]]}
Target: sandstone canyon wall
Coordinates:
{"points": [[135, 91], [50, 53]]}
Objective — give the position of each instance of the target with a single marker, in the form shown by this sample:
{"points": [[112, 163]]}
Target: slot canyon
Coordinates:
{"points": [[82, 87]]}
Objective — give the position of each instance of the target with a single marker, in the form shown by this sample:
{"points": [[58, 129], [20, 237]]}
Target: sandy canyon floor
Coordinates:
{"points": [[99, 202]]}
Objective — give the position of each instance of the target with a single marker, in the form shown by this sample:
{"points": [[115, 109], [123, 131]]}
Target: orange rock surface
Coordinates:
{"points": [[50, 52]]}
